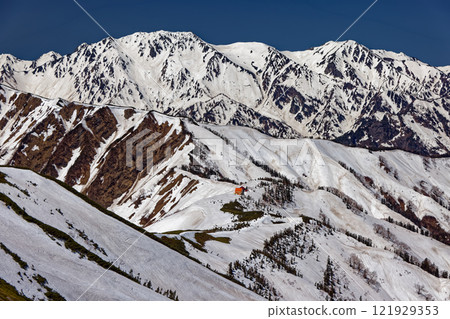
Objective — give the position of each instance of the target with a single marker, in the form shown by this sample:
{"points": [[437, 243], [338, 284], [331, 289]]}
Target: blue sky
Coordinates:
{"points": [[417, 27]]}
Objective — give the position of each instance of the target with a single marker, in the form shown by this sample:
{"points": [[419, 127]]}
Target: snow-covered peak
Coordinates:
{"points": [[389, 55], [251, 55], [48, 57], [159, 34], [445, 69], [7, 58]]}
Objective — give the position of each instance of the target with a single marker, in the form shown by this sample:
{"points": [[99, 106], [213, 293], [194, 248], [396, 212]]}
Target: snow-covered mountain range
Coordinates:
{"points": [[339, 91], [138, 144], [320, 220]]}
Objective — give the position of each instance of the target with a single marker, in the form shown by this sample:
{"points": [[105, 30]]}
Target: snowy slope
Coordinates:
{"points": [[369, 179], [69, 274], [445, 69]]}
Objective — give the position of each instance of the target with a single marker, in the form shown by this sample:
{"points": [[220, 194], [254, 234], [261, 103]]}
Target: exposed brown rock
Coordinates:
{"points": [[189, 188], [174, 183], [26, 103], [148, 219], [436, 231], [115, 178], [102, 123], [67, 111], [13, 97], [128, 113], [79, 137], [167, 192], [38, 158]]}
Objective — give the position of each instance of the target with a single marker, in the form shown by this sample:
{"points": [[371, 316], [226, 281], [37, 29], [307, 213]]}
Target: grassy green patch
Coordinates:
{"points": [[40, 280], [177, 232], [225, 240], [203, 237], [15, 257], [53, 295], [10, 293], [195, 245], [176, 244], [3, 179], [237, 209], [233, 207]]}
